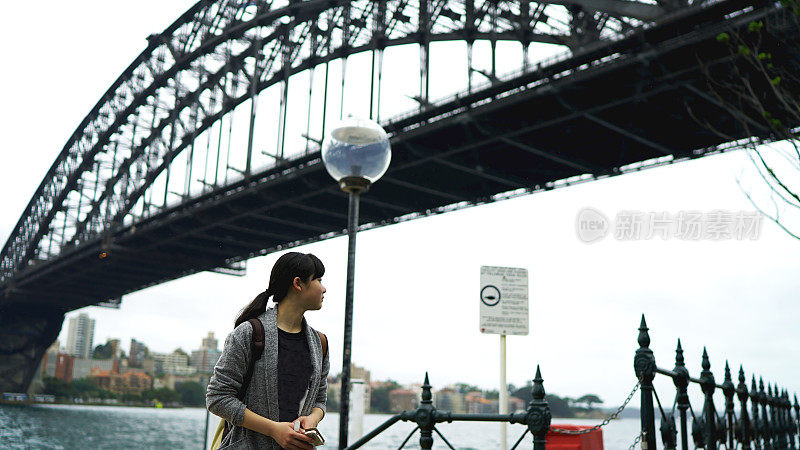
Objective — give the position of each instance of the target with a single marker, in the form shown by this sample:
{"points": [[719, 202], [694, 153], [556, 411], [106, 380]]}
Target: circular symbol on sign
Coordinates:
{"points": [[490, 295]]}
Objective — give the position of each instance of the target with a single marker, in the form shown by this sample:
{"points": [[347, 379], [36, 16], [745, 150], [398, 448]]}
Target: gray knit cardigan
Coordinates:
{"points": [[262, 394]]}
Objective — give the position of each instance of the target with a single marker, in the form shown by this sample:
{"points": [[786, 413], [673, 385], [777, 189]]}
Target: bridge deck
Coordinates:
{"points": [[628, 105]]}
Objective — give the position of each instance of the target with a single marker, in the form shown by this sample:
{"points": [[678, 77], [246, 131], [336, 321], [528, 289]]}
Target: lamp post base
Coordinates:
{"points": [[354, 185]]}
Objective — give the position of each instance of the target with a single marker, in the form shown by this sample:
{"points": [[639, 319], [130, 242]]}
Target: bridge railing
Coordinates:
{"points": [[766, 424]]}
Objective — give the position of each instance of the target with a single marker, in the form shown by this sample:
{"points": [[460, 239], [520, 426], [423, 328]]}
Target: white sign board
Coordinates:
{"points": [[504, 300]]}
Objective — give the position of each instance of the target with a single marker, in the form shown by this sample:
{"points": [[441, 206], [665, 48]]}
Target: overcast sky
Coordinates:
{"points": [[417, 283]]}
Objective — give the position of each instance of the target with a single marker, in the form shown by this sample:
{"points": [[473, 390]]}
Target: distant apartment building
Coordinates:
{"points": [[477, 404], [175, 363], [80, 336], [210, 341], [402, 400], [49, 360], [170, 381], [116, 348], [450, 400], [205, 358], [516, 404], [127, 383], [64, 363], [137, 353], [82, 368]]}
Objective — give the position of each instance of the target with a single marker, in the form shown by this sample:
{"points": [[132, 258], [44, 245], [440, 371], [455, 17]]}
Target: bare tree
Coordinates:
{"points": [[758, 84]]}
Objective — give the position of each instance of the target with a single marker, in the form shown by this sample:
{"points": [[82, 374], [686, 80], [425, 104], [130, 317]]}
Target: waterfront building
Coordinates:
{"points": [[137, 353], [80, 336], [64, 363], [449, 399], [210, 342], [127, 383], [516, 404], [403, 400], [175, 363], [477, 404], [171, 380], [49, 360], [82, 367], [205, 358]]}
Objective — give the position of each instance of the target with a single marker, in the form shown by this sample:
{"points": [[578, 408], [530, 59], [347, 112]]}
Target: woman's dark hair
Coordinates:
{"points": [[286, 268]]}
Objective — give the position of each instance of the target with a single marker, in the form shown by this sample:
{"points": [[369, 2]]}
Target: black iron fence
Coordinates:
{"points": [[536, 417], [766, 424]]}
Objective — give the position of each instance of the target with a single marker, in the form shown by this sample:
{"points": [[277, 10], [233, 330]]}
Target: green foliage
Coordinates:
{"points": [[191, 393], [492, 395], [589, 400], [763, 55], [103, 351], [379, 398], [744, 50], [332, 404], [755, 27], [775, 81], [723, 38]]}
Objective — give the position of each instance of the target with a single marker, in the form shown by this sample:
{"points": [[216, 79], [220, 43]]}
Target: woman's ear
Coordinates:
{"points": [[297, 283]]}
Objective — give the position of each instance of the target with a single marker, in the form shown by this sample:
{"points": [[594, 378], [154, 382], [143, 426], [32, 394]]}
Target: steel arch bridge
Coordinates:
{"points": [[126, 205]]}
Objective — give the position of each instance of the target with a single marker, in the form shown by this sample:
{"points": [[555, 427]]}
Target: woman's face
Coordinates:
{"points": [[313, 293]]}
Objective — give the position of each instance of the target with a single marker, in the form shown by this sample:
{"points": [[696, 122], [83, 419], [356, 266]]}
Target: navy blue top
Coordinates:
{"points": [[294, 372]]}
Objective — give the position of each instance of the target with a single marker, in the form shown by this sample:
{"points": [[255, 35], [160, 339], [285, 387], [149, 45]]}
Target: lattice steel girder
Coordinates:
{"points": [[636, 10], [187, 51]]}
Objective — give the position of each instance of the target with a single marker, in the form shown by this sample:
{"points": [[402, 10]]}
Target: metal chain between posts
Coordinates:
{"points": [[605, 422], [636, 441]]}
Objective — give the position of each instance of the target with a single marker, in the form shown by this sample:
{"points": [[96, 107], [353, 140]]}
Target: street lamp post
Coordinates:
{"points": [[356, 153]]}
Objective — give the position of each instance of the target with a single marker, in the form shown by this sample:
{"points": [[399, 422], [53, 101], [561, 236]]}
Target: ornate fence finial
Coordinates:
{"points": [[744, 430], [758, 425], [644, 365], [425, 416], [644, 337], [538, 412], [708, 386], [729, 390]]}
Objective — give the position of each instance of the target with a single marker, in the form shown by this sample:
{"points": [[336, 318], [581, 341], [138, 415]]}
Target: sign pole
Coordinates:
{"points": [[503, 391]]}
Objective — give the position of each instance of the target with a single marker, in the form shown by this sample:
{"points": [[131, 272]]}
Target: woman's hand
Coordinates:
{"points": [[307, 422], [286, 437]]}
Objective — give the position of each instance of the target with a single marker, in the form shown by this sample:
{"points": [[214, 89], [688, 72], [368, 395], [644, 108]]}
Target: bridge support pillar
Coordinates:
{"points": [[25, 334]]}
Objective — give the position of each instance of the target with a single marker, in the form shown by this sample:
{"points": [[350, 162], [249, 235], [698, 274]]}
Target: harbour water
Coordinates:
{"points": [[112, 427]]}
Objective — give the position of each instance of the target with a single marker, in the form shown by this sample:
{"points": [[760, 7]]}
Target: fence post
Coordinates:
{"points": [[681, 381], [708, 385], [766, 424], [644, 364], [538, 413], [745, 427], [777, 420], [758, 425], [787, 419], [796, 421], [425, 414], [728, 390]]}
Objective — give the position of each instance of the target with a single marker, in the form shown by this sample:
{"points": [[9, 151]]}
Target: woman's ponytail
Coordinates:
{"points": [[255, 308], [289, 266]]}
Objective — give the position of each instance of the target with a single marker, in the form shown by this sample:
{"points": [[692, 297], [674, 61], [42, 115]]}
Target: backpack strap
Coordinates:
{"points": [[256, 350], [324, 340]]}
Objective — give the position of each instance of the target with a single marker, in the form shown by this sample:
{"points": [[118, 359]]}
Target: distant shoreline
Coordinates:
{"points": [[131, 405]]}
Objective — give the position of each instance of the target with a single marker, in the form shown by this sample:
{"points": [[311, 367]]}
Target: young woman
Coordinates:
{"points": [[290, 380]]}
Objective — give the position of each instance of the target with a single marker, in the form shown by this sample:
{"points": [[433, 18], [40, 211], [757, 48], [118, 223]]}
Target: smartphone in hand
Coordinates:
{"points": [[315, 435]]}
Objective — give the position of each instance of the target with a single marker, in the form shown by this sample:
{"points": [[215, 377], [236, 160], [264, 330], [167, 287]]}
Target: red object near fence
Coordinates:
{"points": [[589, 441]]}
